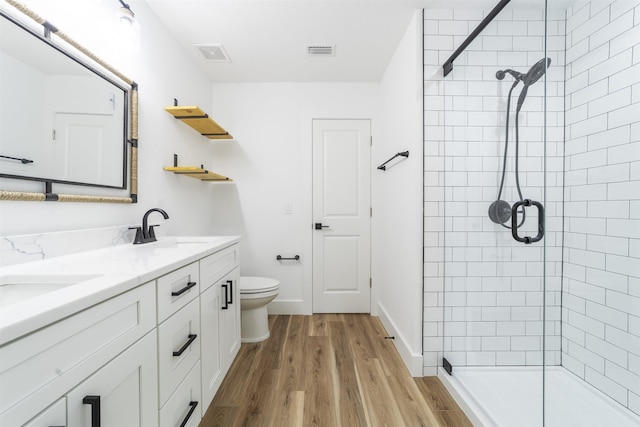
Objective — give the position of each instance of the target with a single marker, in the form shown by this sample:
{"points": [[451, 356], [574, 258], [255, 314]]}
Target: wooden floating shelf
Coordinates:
{"points": [[199, 120], [196, 172]]}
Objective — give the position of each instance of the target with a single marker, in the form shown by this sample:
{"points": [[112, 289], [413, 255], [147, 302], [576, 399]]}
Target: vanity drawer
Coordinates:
{"points": [[177, 289], [178, 334], [47, 363], [215, 266], [181, 403]]}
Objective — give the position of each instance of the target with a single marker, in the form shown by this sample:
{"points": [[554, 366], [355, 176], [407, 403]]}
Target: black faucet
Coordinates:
{"points": [[146, 234]]}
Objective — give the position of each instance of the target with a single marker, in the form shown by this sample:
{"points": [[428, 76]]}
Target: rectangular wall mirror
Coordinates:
{"points": [[68, 121]]}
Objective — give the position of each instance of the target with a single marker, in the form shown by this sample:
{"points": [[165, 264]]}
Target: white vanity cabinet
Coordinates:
{"points": [[153, 355], [46, 368]]}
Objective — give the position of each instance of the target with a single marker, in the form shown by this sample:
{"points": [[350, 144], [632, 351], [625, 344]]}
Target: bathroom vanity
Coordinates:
{"points": [[129, 335]]}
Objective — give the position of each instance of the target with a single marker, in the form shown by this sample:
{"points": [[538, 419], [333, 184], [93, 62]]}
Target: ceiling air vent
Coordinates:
{"points": [[213, 52], [321, 50]]}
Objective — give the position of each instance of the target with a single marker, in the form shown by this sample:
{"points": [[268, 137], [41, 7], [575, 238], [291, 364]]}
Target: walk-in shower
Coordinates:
{"points": [[542, 106]]}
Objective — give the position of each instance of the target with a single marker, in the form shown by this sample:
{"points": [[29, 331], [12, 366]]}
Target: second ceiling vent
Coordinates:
{"points": [[321, 50]]}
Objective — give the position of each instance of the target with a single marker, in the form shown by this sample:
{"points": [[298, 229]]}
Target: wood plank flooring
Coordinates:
{"points": [[328, 370]]}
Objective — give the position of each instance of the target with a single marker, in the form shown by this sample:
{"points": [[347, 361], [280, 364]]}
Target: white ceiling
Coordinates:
{"points": [[266, 39]]}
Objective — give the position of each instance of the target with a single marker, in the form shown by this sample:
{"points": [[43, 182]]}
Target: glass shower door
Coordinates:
{"points": [[495, 200]]}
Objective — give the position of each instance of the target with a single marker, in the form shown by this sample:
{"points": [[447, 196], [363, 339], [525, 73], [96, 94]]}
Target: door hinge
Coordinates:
{"points": [[370, 282], [370, 141], [370, 212], [53, 134]]}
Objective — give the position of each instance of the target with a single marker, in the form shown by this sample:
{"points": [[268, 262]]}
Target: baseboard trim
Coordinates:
{"points": [[412, 361], [288, 307]]}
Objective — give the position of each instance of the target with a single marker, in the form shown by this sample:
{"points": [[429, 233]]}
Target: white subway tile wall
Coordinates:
{"points": [[601, 307], [484, 292]]}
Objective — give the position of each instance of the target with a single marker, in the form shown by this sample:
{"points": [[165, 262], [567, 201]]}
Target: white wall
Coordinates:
{"points": [[163, 71], [270, 163], [397, 199]]}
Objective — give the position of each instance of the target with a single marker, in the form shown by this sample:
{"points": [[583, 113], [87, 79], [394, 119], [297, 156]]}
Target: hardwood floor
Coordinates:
{"points": [[328, 370]]}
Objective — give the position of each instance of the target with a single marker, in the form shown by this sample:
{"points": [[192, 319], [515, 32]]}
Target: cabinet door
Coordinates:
{"points": [[126, 389], [210, 308], [230, 319], [54, 415]]}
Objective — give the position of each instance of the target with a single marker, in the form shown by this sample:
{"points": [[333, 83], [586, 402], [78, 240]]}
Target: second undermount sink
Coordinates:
{"points": [[15, 289]]}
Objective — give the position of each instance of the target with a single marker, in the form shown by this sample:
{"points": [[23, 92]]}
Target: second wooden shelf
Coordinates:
{"points": [[196, 172]]}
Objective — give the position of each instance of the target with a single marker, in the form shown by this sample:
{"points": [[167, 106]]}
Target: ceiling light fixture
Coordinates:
{"points": [[126, 14], [129, 30]]}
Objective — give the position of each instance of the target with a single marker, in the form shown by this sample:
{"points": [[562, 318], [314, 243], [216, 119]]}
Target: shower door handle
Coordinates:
{"points": [[514, 221]]}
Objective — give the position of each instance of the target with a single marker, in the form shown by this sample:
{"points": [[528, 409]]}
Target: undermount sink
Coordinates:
{"points": [[18, 288], [184, 242]]}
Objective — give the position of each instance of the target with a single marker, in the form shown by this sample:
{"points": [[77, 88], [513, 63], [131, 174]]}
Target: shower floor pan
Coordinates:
{"points": [[512, 396]]}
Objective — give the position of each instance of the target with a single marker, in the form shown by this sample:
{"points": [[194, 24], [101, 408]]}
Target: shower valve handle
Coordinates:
{"points": [[514, 221]]}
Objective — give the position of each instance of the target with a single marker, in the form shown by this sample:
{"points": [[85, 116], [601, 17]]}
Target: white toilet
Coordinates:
{"points": [[255, 294]]}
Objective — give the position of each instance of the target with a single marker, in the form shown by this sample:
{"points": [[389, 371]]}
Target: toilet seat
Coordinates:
{"points": [[257, 285]]}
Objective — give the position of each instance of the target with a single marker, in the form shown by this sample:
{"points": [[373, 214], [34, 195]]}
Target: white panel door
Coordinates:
{"points": [[341, 215], [80, 152]]}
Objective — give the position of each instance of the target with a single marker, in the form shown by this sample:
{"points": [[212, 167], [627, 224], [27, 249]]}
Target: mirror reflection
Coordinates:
{"points": [[60, 121]]}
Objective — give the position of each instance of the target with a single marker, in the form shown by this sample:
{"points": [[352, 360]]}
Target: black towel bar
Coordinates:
{"points": [[402, 154]]}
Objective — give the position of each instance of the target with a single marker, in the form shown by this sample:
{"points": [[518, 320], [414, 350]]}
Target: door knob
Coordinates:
{"points": [[319, 226]]}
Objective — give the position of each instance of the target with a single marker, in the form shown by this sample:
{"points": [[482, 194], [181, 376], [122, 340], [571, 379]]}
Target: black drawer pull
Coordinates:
{"points": [[186, 419], [183, 290], [94, 401], [226, 297], [230, 282], [186, 345]]}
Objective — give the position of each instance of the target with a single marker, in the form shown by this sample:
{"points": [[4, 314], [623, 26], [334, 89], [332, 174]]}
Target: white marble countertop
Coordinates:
{"points": [[95, 276]]}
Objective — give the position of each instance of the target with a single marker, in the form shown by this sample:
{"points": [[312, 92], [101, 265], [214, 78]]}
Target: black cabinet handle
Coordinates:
{"points": [[230, 282], [514, 221], [186, 345], [226, 297], [94, 401], [186, 419], [183, 290]]}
